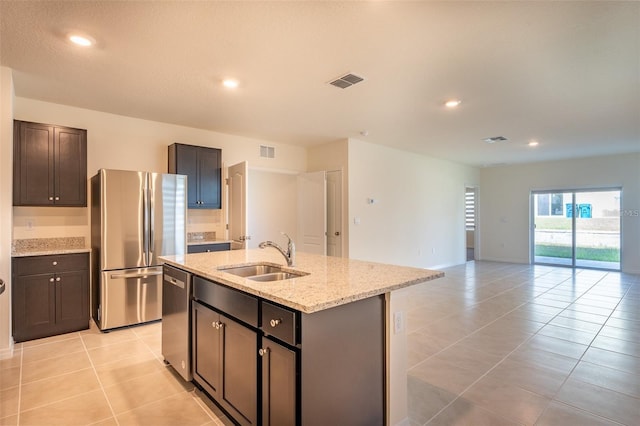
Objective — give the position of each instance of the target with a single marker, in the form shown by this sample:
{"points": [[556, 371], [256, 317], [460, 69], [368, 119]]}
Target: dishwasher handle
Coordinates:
{"points": [[174, 281]]}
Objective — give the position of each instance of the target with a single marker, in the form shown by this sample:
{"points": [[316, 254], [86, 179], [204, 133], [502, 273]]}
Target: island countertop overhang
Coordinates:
{"points": [[331, 281]]}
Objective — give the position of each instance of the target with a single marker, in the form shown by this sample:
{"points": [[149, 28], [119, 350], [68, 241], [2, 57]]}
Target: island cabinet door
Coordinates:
{"points": [[239, 371], [206, 348], [279, 384]]}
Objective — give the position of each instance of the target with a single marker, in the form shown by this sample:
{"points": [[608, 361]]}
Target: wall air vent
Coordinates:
{"points": [[267, 151], [346, 80], [495, 139]]}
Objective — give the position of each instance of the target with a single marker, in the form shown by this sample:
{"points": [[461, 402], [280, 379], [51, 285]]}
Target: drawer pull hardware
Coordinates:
{"points": [[263, 352], [57, 279], [50, 198], [51, 280], [217, 325], [275, 322], [54, 263]]}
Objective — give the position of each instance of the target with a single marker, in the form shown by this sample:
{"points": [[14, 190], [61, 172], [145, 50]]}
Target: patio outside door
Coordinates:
{"points": [[577, 228]]}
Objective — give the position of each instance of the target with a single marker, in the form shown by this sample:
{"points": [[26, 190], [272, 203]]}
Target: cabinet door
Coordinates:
{"points": [[209, 178], [278, 384], [72, 300], [206, 348], [239, 392], [34, 308], [70, 167], [33, 164], [186, 163]]}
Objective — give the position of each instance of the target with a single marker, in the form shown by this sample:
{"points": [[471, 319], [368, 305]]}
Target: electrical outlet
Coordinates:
{"points": [[398, 322]]}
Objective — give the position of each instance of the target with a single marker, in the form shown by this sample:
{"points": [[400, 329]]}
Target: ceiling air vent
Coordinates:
{"points": [[346, 80], [267, 151], [495, 139]]}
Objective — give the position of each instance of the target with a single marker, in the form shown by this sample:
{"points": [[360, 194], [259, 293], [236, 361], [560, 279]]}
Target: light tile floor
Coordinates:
{"points": [[489, 344], [506, 344], [94, 378]]}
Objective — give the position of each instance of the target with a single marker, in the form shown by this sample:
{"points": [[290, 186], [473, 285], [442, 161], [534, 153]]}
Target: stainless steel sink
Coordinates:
{"points": [[275, 276], [263, 273]]}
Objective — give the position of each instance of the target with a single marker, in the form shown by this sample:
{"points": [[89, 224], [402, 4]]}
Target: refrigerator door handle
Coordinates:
{"points": [[145, 225], [152, 227], [135, 275]]}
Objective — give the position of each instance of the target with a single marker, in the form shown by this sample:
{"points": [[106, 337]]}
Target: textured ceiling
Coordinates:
{"points": [[564, 73]]}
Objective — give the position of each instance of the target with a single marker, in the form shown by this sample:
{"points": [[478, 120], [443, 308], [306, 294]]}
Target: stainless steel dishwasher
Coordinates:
{"points": [[176, 318]]}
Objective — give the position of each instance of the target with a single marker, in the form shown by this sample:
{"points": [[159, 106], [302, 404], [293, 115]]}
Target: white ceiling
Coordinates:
{"points": [[564, 73]]}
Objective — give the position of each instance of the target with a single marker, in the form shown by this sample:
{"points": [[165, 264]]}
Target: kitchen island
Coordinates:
{"points": [[314, 349]]}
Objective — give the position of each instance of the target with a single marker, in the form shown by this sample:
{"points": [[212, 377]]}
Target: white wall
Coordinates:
{"points": [[6, 191], [119, 142], [272, 201], [505, 195], [418, 217]]}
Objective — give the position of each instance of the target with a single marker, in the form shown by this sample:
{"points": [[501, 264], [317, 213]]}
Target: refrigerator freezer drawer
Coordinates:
{"points": [[130, 296]]}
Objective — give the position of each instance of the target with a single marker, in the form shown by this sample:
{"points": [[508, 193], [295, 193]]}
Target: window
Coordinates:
{"points": [[470, 209]]}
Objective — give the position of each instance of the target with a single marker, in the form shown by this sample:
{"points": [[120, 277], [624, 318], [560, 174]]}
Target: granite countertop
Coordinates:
{"points": [[332, 281], [48, 246]]}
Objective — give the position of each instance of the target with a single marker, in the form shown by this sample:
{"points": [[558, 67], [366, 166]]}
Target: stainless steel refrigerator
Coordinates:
{"points": [[135, 218]]}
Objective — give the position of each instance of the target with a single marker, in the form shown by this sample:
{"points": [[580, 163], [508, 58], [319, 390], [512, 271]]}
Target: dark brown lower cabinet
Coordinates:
{"points": [[279, 384], [225, 362], [50, 295], [323, 368]]}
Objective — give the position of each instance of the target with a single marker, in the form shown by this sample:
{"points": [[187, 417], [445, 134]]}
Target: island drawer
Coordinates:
{"points": [[279, 322], [239, 305]]}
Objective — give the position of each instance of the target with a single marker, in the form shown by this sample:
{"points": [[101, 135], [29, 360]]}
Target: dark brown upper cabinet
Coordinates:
{"points": [[202, 166], [49, 165]]}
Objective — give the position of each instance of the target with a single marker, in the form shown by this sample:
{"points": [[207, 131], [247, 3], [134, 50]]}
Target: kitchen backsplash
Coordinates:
{"points": [[41, 244], [200, 236]]}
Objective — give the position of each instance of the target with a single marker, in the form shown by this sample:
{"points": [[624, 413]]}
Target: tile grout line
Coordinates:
{"points": [[100, 382]]}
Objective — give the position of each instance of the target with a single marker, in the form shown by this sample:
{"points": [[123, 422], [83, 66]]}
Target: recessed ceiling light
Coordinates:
{"points": [[81, 40], [230, 83], [534, 143], [452, 103]]}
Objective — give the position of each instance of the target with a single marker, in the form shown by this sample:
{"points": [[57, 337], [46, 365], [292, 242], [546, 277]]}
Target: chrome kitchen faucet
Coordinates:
{"points": [[290, 254]]}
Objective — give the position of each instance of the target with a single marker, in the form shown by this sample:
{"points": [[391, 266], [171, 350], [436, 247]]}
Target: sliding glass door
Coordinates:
{"points": [[577, 228]]}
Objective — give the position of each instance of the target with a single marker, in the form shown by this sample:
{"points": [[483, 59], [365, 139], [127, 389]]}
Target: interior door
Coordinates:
{"points": [[334, 213], [238, 190], [312, 212]]}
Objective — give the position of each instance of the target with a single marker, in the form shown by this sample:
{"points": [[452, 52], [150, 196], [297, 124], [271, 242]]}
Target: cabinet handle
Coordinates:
{"points": [[275, 322], [57, 279], [54, 263], [57, 198], [50, 198], [337, 233], [217, 325], [51, 280], [263, 352]]}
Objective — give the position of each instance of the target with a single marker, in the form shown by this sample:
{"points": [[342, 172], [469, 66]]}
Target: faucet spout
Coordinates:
{"points": [[289, 254]]}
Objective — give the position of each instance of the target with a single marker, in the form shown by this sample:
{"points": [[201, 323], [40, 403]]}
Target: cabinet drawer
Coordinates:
{"points": [[232, 302], [205, 248], [279, 322], [50, 264]]}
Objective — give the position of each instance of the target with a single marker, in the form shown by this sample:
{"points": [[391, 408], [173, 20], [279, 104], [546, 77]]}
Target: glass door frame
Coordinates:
{"points": [[573, 192]]}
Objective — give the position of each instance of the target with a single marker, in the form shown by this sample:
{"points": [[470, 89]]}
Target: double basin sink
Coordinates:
{"points": [[262, 272]]}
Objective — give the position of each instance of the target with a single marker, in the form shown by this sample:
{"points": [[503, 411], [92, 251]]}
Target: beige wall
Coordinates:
{"points": [[273, 207], [6, 190], [120, 142], [504, 198], [418, 217]]}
